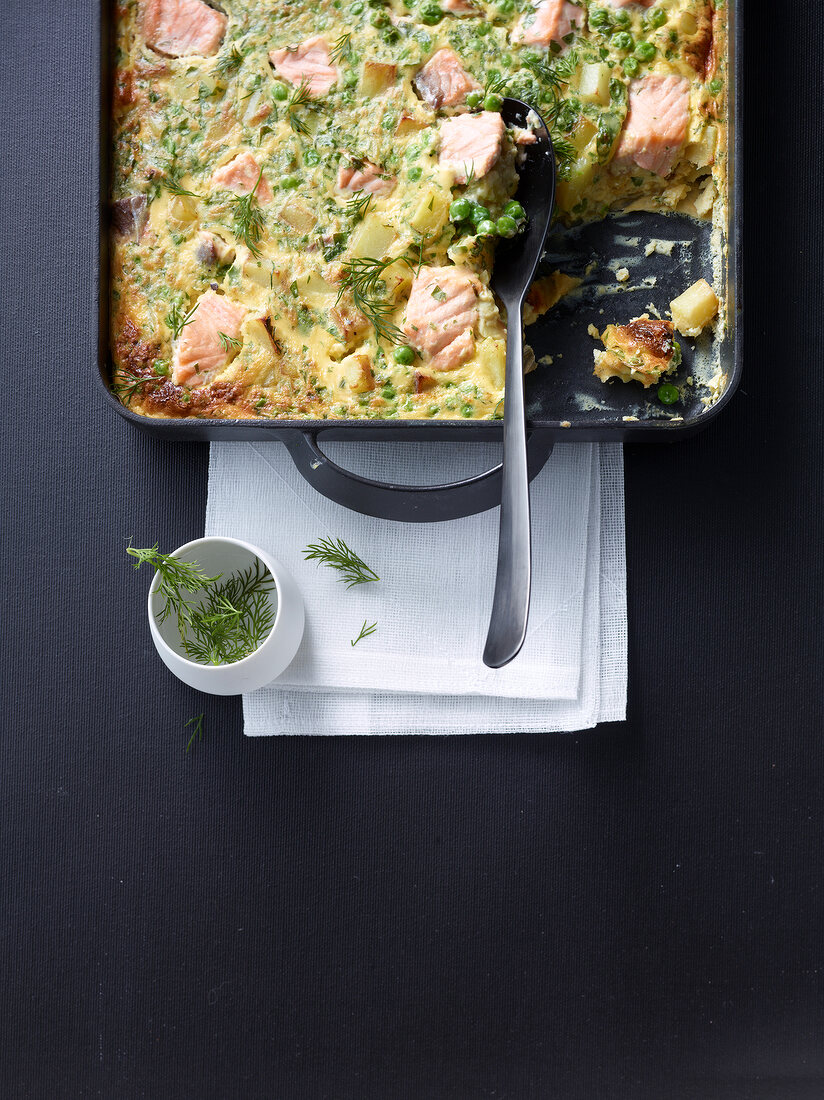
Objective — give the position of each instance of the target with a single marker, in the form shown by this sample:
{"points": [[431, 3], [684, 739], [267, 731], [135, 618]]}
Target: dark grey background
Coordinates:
{"points": [[633, 912]]}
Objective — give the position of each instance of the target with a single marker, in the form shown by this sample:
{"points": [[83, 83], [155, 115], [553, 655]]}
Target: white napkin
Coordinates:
{"points": [[432, 603]]}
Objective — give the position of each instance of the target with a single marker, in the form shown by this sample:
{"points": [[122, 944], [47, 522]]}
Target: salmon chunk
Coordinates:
{"points": [[656, 124], [443, 81], [310, 63], [205, 344], [442, 314], [551, 21], [240, 175], [178, 28], [459, 7], [470, 144], [368, 177]]}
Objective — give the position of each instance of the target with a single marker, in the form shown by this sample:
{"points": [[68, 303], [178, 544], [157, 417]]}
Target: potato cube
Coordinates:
{"points": [[593, 86], [376, 77], [431, 212], [693, 310]]}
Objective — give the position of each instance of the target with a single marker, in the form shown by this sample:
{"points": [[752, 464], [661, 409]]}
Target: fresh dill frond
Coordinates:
{"points": [[470, 175], [552, 76], [248, 221], [173, 185], [300, 97], [358, 206], [229, 61], [341, 47], [197, 732], [363, 275], [177, 578], [365, 631], [219, 623], [177, 319], [564, 150], [229, 342], [128, 383], [337, 555]]}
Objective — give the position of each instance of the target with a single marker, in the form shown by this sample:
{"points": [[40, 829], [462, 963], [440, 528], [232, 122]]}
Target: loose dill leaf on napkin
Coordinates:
{"points": [[337, 555]]}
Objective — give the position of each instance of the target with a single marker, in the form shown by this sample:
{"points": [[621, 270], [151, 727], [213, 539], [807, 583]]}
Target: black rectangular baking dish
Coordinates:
{"points": [[565, 402]]}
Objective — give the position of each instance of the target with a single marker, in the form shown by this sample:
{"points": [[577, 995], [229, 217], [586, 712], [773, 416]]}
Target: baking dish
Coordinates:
{"points": [[564, 400]]}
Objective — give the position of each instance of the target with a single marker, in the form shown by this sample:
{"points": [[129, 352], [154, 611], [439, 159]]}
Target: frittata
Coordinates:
{"points": [[307, 194]]}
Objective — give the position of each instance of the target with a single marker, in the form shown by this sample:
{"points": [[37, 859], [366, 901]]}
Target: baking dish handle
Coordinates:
{"points": [[405, 503]]}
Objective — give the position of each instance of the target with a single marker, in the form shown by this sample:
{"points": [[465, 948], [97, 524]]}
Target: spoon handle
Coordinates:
{"points": [[510, 606]]}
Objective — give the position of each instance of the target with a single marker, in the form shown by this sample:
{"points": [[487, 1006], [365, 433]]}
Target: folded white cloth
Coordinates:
{"points": [[421, 670]]}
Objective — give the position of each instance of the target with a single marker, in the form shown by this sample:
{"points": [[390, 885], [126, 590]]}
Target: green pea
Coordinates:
{"points": [[311, 156], [621, 19], [514, 210], [356, 8], [506, 226], [600, 19], [467, 410], [280, 91], [506, 7], [482, 29], [379, 19], [479, 213], [493, 102], [431, 14], [622, 41], [432, 409], [645, 51], [414, 172], [460, 210], [656, 18], [668, 394], [715, 86], [290, 183], [486, 228], [388, 392], [404, 355], [631, 66], [474, 99]]}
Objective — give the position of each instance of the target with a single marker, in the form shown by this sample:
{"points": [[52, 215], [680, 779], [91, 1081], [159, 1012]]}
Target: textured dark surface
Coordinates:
{"points": [[634, 912]]}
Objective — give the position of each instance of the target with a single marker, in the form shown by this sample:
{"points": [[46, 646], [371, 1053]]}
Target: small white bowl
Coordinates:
{"points": [[273, 655]]}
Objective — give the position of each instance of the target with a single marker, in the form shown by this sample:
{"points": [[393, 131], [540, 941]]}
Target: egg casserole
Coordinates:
{"points": [[306, 195]]}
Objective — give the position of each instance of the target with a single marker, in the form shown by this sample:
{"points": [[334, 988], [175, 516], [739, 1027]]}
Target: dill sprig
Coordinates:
{"points": [[219, 623], [177, 319], [337, 555], [128, 383], [233, 619], [365, 631], [229, 61], [229, 342], [357, 207], [341, 47], [363, 275], [300, 97], [248, 222], [553, 76], [197, 732], [173, 185]]}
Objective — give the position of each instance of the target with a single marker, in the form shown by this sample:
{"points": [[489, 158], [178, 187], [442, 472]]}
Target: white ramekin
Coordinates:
{"points": [[269, 660]]}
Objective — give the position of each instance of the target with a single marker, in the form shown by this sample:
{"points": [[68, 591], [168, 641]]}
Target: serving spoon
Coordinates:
{"points": [[515, 263]]}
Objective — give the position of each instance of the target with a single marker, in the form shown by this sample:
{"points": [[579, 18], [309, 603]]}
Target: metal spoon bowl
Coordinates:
{"points": [[516, 261]]}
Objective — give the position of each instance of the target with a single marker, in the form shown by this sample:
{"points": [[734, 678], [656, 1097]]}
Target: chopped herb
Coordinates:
{"points": [[365, 631], [197, 732]]}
